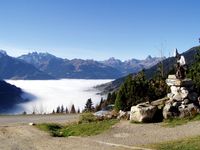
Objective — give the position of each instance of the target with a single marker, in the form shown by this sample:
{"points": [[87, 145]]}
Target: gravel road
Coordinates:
{"points": [[123, 136], [25, 119]]}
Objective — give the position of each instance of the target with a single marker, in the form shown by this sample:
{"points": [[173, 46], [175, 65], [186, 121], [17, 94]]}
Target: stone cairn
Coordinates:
{"points": [[183, 101]]}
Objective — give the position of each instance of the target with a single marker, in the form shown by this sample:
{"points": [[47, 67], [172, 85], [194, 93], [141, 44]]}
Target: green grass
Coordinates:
{"points": [[179, 121], [184, 144], [75, 129]]}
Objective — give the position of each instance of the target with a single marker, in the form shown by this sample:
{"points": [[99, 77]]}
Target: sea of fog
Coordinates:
{"points": [[46, 95]]}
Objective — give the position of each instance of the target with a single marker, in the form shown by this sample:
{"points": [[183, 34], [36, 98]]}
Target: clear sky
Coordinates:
{"points": [[99, 29]]}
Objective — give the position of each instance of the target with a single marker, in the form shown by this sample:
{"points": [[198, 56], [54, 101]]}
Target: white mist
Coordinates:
{"points": [[48, 94]]}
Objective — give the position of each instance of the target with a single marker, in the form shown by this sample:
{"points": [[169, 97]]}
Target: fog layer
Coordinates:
{"points": [[46, 95]]}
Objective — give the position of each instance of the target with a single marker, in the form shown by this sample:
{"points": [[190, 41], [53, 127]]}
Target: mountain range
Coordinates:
{"points": [[42, 66]]}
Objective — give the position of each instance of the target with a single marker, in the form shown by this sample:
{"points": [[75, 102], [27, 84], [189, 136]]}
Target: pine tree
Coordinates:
{"points": [[78, 111], [62, 109], [58, 110], [89, 105], [53, 112], [194, 72], [66, 110], [73, 110]]}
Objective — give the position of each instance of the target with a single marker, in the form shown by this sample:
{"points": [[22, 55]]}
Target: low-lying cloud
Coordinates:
{"points": [[46, 95]]}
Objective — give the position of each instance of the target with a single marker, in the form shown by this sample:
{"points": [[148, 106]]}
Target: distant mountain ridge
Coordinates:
{"points": [[75, 68], [42, 66], [132, 65], [14, 68], [86, 69]]}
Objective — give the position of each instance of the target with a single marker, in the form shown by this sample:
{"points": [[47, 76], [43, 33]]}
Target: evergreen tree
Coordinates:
{"points": [[133, 91], [73, 110], [120, 102], [194, 72], [62, 109], [66, 110], [58, 110], [89, 105], [78, 111], [53, 112]]}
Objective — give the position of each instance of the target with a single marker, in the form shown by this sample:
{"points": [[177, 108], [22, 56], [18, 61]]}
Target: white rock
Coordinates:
{"points": [[184, 93], [175, 90], [142, 112], [31, 124]]}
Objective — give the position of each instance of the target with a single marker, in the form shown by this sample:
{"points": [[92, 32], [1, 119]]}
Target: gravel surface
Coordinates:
{"points": [[25, 119], [141, 134], [123, 136]]}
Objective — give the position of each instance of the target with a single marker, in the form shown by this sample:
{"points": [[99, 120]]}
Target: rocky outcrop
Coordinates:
{"points": [[143, 112]]}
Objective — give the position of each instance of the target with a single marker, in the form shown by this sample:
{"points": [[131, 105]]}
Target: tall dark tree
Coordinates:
{"points": [[194, 72], [89, 105], [73, 110], [78, 111], [66, 110], [53, 112], [62, 109], [58, 110]]}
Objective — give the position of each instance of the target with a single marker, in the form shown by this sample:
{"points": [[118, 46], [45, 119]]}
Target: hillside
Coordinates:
{"points": [[168, 66], [10, 95]]}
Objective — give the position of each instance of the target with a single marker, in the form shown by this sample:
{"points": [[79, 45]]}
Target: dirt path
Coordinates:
{"points": [[123, 136]]}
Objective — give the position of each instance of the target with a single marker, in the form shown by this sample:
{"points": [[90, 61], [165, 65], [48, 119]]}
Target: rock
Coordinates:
{"points": [[171, 76], [184, 92], [178, 97], [122, 115], [173, 82], [174, 90], [170, 111], [166, 111], [160, 101], [176, 104], [193, 96], [170, 95], [188, 110], [143, 112], [31, 124], [179, 82], [186, 101]]}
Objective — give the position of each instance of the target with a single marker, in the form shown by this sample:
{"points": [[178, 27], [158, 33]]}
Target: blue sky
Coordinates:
{"points": [[99, 29]]}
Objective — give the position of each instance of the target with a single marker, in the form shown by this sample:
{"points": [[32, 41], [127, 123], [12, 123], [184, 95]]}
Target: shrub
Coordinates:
{"points": [[87, 117]]}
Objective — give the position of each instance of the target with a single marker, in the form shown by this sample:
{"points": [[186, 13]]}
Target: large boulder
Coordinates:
{"points": [[143, 112]]}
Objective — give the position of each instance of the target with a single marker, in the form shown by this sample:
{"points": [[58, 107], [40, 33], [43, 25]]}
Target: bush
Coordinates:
{"points": [[87, 117]]}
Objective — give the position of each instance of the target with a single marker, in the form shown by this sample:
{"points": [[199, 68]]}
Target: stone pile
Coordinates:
{"points": [[183, 101]]}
